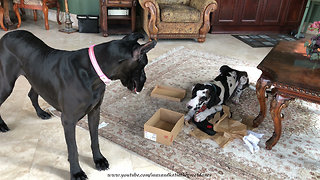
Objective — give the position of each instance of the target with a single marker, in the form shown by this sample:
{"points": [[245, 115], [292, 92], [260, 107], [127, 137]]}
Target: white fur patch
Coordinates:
{"points": [[232, 81], [194, 102]]}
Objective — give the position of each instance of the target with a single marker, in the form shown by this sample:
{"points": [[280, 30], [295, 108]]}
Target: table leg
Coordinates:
{"points": [[277, 104], [6, 5], [262, 85], [104, 19], [133, 18]]}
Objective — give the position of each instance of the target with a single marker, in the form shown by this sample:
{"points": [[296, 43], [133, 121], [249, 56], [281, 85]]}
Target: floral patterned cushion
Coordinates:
{"points": [[178, 13], [173, 1], [29, 2]]}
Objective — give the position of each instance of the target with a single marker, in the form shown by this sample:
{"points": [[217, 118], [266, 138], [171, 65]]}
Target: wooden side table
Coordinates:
{"points": [[293, 75], [118, 20]]}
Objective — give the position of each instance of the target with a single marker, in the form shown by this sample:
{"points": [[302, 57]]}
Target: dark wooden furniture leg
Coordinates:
{"points": [[104, 23], [133, 16], [277, 104], [58, 12], [262, 84], [16, 11], [1, 19]]}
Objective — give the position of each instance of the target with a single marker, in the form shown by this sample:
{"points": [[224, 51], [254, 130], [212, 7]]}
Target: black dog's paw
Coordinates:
{"points": [[101, 164], [3, 127], [79, 176], [44, 115]]}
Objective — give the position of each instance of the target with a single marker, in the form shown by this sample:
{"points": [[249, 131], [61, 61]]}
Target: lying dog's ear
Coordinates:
{"points": [[143, 49], [194, 89], [214, 98], [133, 37], [225, 69]]}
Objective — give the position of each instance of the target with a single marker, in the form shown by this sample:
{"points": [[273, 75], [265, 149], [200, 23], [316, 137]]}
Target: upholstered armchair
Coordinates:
{"points": [[35, 5], [177, 19]]}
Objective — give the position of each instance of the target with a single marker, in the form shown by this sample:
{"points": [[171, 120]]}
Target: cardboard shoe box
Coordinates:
{"points": [[170, 93], [164, 126]]}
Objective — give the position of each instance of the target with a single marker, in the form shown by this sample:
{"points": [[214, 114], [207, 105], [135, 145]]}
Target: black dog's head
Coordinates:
{"points": [[132, 59]]}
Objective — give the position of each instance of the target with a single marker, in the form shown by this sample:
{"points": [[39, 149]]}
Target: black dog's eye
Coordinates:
{"points": [[203, 98]]}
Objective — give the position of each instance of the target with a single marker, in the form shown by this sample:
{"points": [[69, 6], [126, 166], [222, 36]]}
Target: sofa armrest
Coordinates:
{"points": [[151, 7], [201, 5], [206, 7]]}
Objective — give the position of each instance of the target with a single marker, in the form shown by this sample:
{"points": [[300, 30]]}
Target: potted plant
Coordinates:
{"points": [[313, 47]]}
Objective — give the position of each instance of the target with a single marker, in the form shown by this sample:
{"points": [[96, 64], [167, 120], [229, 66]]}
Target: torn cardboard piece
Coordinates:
{"points": [[227, 129]]}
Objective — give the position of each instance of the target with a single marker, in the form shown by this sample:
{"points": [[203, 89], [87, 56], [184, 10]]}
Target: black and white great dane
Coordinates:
{"points": [[208, 98], [68, 81]]}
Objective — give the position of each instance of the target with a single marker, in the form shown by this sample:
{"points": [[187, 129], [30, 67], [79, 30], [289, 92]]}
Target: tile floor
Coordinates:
{"points": [[36, 149]]}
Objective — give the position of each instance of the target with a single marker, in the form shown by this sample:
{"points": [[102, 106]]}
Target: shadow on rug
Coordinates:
{"points": [[296, 156]]}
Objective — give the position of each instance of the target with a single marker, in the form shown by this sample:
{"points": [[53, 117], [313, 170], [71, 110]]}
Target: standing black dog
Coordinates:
{"points": [[68, 81]]}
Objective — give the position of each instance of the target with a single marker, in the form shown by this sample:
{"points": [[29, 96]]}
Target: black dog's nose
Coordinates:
{"points": [[189, 107]]}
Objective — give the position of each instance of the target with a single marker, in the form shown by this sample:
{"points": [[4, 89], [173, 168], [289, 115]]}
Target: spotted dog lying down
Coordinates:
{"points": [[208, 98]]}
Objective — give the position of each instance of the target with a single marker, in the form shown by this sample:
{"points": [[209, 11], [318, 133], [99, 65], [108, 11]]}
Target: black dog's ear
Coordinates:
{"points": [[133, 37], [194, 89], [225, 69], [143, 49], [214, 98]]}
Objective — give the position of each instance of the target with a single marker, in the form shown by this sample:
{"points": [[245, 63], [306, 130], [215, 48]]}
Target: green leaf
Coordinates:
{"points": [[314, 56], [306, 43]]}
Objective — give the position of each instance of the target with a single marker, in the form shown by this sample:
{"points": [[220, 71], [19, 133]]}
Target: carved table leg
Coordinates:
{"points": [[277, 104], [262, 85]]}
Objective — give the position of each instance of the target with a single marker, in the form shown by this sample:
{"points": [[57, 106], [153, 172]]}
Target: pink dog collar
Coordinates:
{"points": [[96, 66]]}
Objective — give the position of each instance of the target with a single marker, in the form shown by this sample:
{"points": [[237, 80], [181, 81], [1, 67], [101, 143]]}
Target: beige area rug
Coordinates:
{"points": [[296, 156]]}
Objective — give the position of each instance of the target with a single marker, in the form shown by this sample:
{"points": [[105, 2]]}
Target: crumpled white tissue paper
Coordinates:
{"points": [[252, 140]]}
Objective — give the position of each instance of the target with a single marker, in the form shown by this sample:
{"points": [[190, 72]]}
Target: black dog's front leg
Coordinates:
{"points": [[69, 126], [93, 121], [34, 99]]}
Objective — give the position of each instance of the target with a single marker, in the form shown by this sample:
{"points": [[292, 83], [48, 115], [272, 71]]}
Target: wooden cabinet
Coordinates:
{"points": [[117, 24], [272, 11], [257, 15], [249, 11]]}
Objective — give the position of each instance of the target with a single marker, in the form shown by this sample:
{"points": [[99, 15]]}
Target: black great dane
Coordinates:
{"points": [[68, 81]]}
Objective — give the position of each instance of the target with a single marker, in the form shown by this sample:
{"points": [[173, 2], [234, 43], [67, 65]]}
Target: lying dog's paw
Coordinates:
{"points": [[235, 100], [43, 115], [101, 164], [3, 127], [199, 117], [187, 118], [79, 176]]}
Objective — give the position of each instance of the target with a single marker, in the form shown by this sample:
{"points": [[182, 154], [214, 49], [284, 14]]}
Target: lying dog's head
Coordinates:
{"points": [[132, 59], [232, 82], [202, 94]]}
